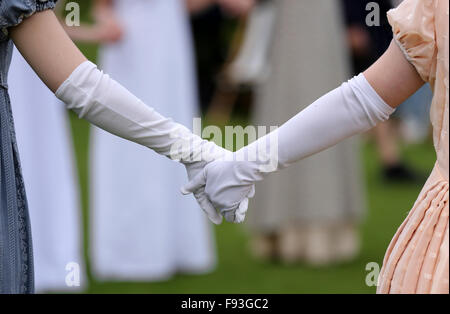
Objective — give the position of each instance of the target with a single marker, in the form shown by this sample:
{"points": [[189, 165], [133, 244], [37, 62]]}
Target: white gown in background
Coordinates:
{"points": [[48, 165], [142, 227]]}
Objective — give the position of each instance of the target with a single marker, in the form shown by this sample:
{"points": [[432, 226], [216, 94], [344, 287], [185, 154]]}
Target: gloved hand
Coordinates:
{"points": [[195, 172], [223, 182]]}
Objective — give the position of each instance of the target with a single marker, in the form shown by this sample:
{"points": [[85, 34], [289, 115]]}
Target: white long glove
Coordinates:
{"points": [[352, 108], [102, 101]]}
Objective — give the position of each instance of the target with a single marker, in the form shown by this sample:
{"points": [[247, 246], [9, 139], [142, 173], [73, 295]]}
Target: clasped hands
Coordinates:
{"points": [[218, 188], [224, 186]]}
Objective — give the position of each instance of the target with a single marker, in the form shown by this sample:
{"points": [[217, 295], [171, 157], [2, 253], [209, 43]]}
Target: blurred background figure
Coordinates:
{"points": [[367, 44], [216, 27], [142, 228], [414, 116], [137, 234], [210, 27], [307, 213]]}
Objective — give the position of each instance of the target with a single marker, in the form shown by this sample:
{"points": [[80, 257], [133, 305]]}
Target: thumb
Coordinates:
{"points": [[251, 194], [209, 209], [193, 185]]}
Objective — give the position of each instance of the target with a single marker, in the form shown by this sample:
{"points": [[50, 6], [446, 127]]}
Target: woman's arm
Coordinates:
{"points": [[47, 48], [393, 77]]}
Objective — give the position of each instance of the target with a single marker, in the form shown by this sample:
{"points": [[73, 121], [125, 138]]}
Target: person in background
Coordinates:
{"points": [[291, 219], [210, 50], [367, 44], [160, 233], [213, 24]]}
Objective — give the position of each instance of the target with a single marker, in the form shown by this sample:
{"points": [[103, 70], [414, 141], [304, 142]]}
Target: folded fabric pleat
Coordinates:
{"points": [[417, 258]]}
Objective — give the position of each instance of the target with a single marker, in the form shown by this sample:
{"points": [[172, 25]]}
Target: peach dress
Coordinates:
{"points": [[417, 258]]}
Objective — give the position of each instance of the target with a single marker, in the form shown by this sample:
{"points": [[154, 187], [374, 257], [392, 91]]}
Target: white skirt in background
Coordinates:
{"points": [[142, 228]]}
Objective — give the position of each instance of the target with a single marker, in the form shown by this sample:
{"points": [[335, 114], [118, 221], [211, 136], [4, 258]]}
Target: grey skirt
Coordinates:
{"points": [[16, 252], [16, 256]]}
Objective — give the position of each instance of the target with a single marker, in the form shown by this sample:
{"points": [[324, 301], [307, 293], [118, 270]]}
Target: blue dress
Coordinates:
{"points": [[16, 252]]}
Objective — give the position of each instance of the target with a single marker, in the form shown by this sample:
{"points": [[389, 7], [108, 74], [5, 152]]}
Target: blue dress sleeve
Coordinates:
{"points": [[13, 12]]}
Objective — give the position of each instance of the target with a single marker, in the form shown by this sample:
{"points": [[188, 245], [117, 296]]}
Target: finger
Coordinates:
{"points": [[193, 185], [209, 209], [236, 215], [241, 211]]}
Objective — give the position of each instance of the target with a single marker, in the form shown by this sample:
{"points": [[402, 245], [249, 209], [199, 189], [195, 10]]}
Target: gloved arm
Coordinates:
{"points": [[102, 101], [352, 108], [99, 99], [355, 107]]}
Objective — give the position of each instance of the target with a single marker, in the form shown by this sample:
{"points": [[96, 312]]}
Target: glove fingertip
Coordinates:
{"points": [[239, 219], [216, 220], [185, 191]]}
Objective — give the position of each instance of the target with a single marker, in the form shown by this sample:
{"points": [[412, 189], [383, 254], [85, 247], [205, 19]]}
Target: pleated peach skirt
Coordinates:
{"points": [[417, 260]]}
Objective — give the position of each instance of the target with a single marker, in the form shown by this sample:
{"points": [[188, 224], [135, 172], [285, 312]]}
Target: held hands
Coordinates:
{"points": [[194, 171], [227, 183], [223, 186]]}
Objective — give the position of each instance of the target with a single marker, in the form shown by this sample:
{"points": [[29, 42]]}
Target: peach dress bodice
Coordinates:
{"points": [[417, 260]]}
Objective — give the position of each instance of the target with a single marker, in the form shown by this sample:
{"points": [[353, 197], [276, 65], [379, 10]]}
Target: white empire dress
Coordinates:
{"points": [[48, 164], [142, 228]]}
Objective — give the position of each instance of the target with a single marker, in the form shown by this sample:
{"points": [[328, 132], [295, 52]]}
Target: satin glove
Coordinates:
{"points": [[226, 186], [352, 108], [96, 97]]}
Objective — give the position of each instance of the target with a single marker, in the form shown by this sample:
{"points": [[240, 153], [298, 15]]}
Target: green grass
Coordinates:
{"points": [[238, 272]]}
